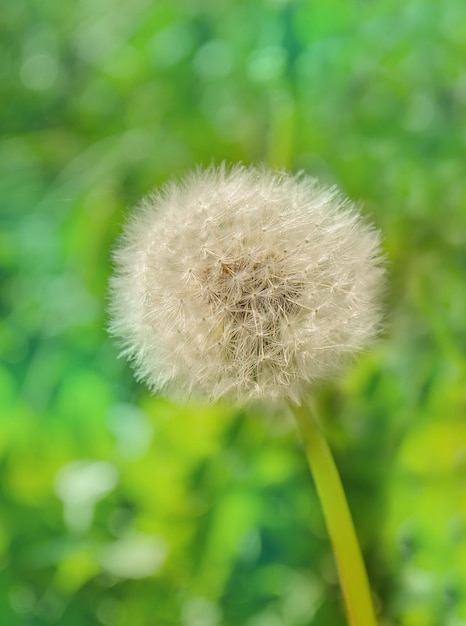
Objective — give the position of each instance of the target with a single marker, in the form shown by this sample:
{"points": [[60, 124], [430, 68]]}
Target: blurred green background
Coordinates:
{"points": [[122, 509]]}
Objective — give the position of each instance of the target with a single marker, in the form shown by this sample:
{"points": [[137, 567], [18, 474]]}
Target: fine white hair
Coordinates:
{"points": [[244, 283]]}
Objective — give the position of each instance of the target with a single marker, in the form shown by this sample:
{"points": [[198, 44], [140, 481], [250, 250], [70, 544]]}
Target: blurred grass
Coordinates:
{"points": [[118, 508]]}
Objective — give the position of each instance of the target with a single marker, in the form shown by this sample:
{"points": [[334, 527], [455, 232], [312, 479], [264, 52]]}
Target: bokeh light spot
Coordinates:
{"points": [[39, 71]]}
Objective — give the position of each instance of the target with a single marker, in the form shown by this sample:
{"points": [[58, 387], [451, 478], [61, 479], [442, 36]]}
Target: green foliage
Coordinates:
{"points": [[118, 508]]}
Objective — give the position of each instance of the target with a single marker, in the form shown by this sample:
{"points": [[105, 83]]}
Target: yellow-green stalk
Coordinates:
{"points": [[352, 572]]}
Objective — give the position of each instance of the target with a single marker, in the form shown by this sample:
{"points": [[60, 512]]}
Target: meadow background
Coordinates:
{"points": [[122, 509]]}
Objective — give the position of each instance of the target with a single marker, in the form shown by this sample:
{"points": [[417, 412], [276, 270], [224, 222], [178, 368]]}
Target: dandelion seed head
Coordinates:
{"points": [[244, 283]]}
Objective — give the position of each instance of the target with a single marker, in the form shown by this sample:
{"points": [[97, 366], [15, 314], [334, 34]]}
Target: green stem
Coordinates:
{"points": [[353, 576]]}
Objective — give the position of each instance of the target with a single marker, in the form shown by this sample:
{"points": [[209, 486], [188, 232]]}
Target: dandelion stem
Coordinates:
{"points": [[353, 576]]}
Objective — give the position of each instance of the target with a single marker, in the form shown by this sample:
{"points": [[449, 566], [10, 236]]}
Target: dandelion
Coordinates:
{"points": [[244, 283], [247, 284]]}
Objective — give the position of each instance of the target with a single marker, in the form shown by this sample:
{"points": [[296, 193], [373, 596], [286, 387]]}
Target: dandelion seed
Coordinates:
{"points": [[244, 283]]}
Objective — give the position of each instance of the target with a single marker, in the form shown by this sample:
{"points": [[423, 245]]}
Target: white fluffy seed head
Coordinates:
{"points": [[244, 283]]}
